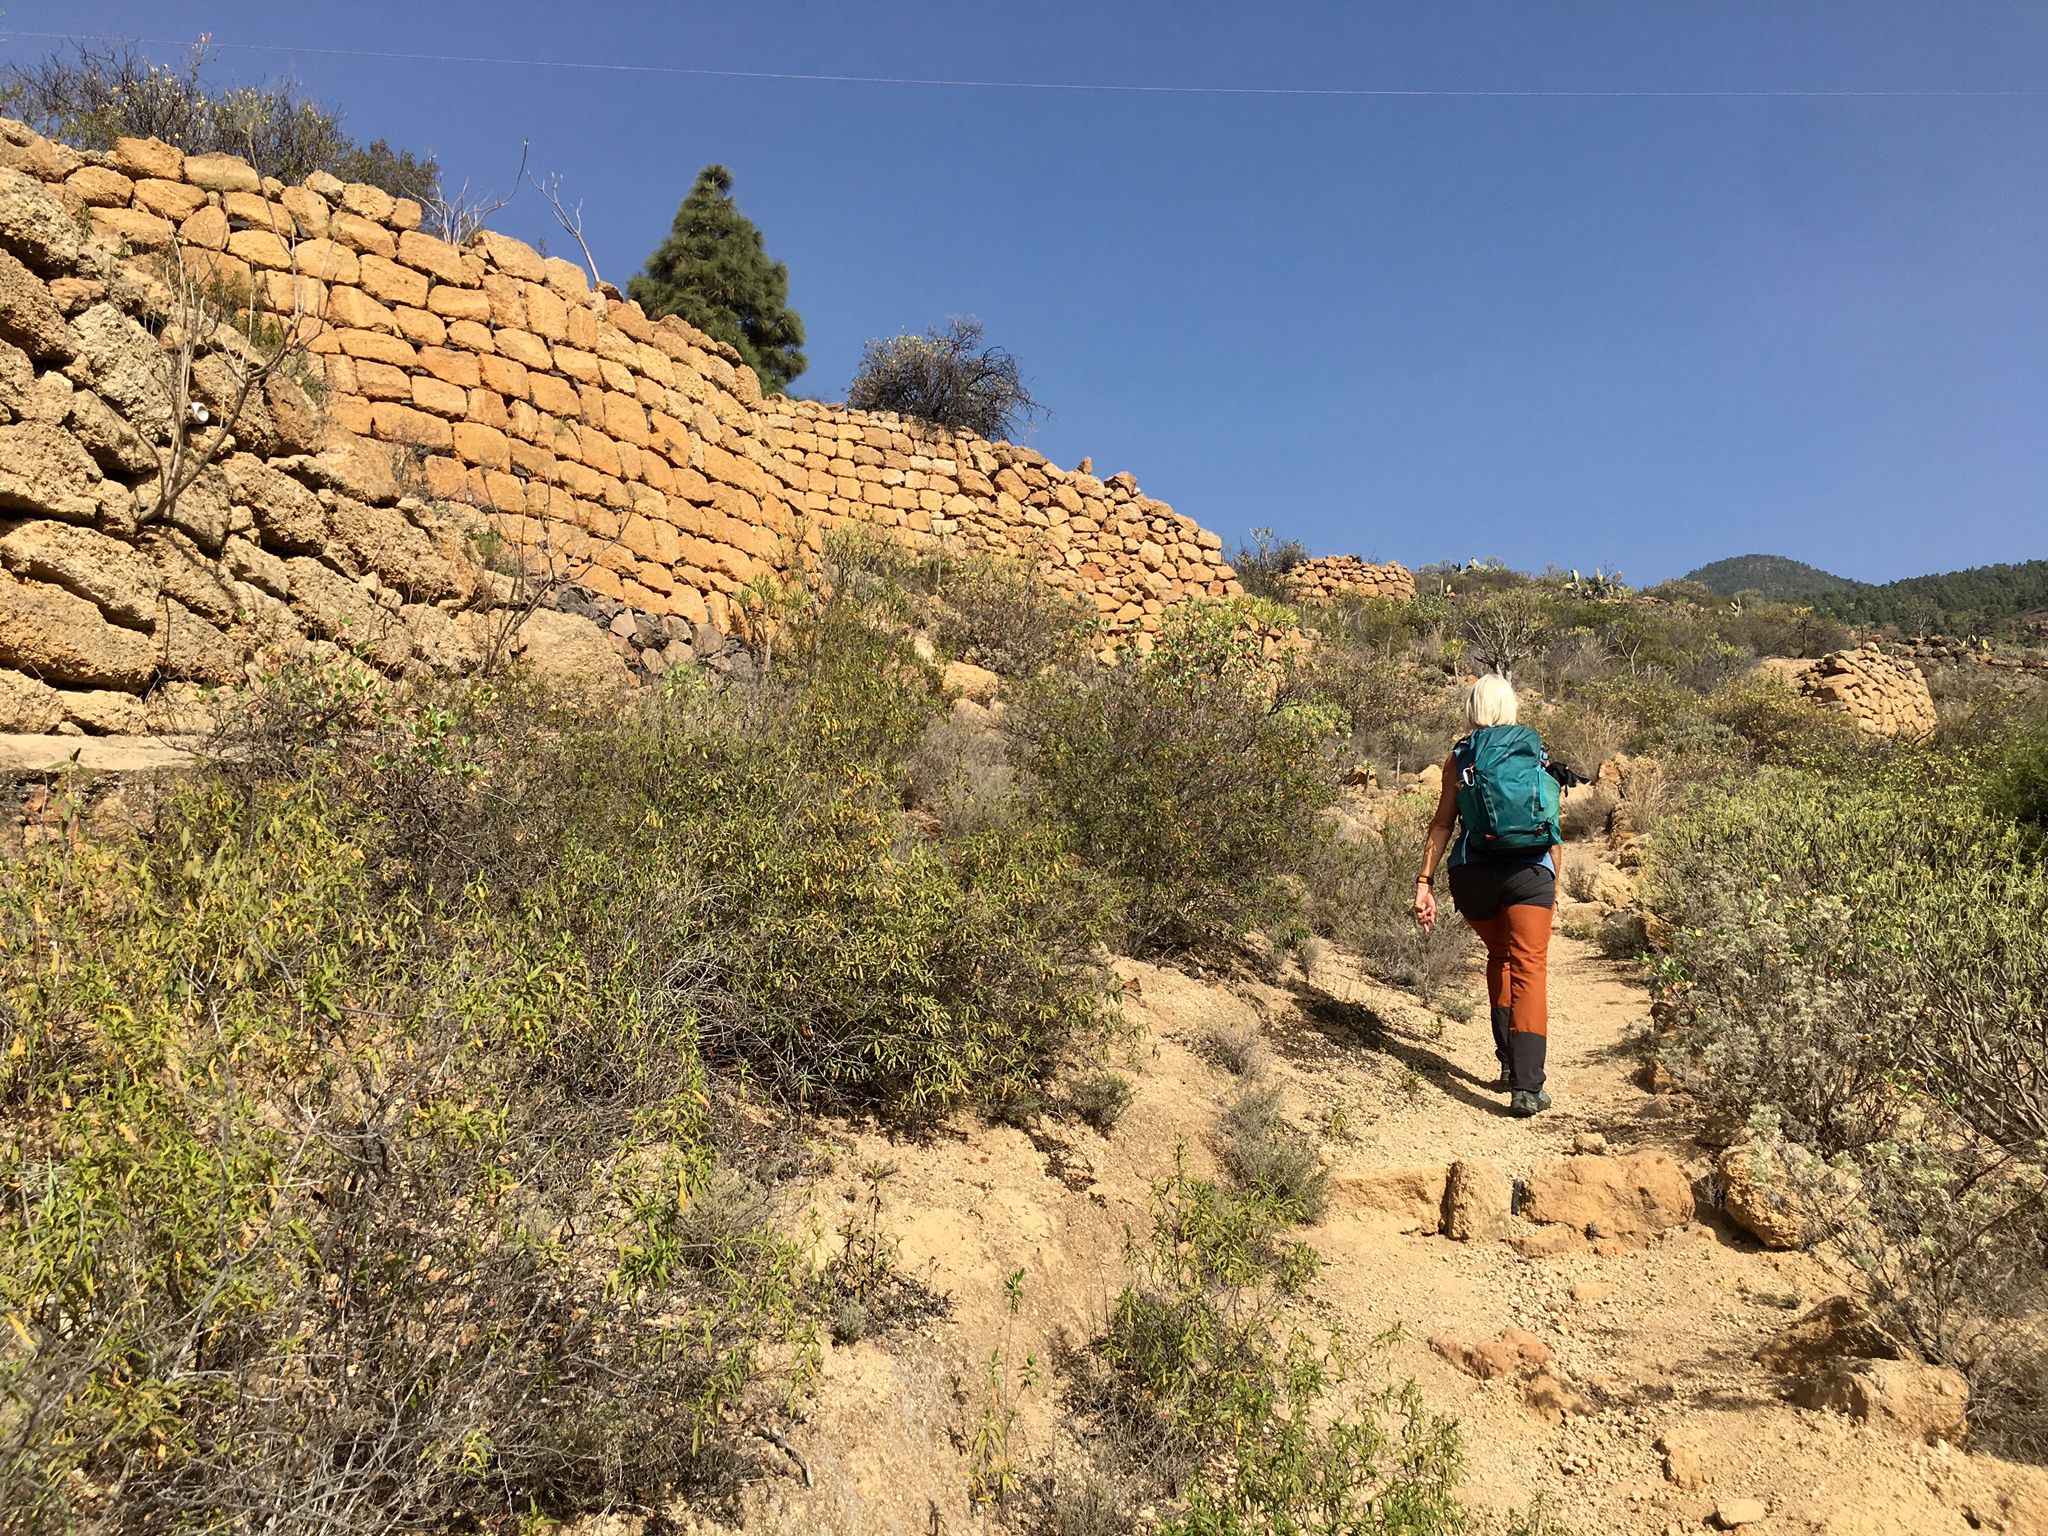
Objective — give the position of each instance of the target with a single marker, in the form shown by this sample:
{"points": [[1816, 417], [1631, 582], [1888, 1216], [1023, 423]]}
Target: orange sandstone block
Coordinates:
{"points": [[376, 345], [98, 187], [361, 234], [439, 396], [523, 347], [577, 364], [397, 423], [389, 283], [533, 460], [507, 297], [487, 409], [349, 412], [511, 256], [451, 366], [328, 260], [459, 303], [553, 395], [135, 226], [221, 173], [603, 582], [442, 261], [309, 210], [169, 199], [483, 446], [381, 381], [421, 326], [624, 418], [446, 477], [149, 157], [470, 336], [547, 316], [504, 375], [372, 203], [353, 309], [258, 212]]}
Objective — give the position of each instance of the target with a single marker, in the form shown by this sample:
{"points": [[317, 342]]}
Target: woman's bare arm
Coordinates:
{"points": [[1441, 824], [1439, 838]]}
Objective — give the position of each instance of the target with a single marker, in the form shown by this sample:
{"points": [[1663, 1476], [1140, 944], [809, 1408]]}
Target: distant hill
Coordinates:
{"points": [[1986, 599], [1777, 578]]}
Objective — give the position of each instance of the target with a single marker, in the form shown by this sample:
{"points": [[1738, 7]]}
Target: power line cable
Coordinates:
{"points": [[1077, 86]]}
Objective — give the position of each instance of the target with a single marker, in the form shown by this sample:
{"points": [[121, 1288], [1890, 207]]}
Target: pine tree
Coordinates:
{"points": [[714, 271]]}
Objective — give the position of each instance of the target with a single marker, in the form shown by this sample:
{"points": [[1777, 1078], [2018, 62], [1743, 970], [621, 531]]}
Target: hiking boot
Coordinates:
{"points": [[1506, 1081], [1526, 1104]]}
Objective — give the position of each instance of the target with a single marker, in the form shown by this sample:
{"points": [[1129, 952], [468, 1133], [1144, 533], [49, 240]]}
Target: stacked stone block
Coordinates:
{"points": [[1884, 694], [1336, 577], [1119, 550], [637, 454]]}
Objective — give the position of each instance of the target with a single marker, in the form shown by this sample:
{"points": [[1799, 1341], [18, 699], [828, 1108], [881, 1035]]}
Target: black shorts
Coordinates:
{"points": [[1481, 887]]}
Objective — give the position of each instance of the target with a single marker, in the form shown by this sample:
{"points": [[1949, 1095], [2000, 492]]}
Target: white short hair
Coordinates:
{"points": [[1491, 701]]}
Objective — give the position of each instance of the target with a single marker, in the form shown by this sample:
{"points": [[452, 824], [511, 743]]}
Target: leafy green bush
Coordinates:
{"points": [[378, 1082], [1776, 725], [91, 95], [1663, 719], [2017, 785], [1263, 564], [1000, 615], [1180, 779], [1257, 1426], [1860, 963], [1101, 1099], [308, 1188]]}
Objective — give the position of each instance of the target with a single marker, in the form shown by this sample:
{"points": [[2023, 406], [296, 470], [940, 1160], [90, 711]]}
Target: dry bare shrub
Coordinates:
{"points": [[1238, 1049], [949, 376], [1183, 779], [1269, 1159], [1360, 895], [1582, 736], [1001, 615]]}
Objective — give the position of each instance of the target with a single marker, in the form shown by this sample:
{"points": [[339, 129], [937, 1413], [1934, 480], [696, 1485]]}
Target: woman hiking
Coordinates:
{"points": [[1502, 800]]}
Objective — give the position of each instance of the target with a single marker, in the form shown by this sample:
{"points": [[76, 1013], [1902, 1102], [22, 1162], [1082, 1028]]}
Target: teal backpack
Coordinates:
{"points": [[1506, 796]]}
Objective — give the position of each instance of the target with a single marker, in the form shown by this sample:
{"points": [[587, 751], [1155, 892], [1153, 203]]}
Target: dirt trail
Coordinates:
{"points": [[1657, 1335]]}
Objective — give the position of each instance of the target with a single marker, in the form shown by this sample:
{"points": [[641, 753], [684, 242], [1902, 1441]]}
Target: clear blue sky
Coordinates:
{"points": [[1645, 330]]}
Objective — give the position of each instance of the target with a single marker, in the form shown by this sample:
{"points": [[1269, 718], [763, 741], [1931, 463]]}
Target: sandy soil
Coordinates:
{"points": [[1657, 1335]]}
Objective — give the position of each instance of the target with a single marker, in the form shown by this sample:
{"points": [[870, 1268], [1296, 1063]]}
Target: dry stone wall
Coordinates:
{"points": [[633, 459], [1335, 577], [1884, 694]]}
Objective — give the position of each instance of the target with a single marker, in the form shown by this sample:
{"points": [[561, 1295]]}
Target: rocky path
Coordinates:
{"points": [[1650, 1414]]}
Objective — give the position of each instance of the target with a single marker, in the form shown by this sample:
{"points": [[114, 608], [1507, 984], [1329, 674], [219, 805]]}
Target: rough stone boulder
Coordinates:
{"points": [[1412, 1196], [1840, 1328], [1514, 1352], [1920, 1402], [564, 649], [1635, 1195], [106, 572], [1760, 1195], [977, 684], [58, 637], [44, 471], [1478, 1201]]}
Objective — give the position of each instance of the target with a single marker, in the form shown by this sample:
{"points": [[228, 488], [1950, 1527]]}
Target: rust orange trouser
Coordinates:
{"points": [[1517, 959], [1508, 905]]}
